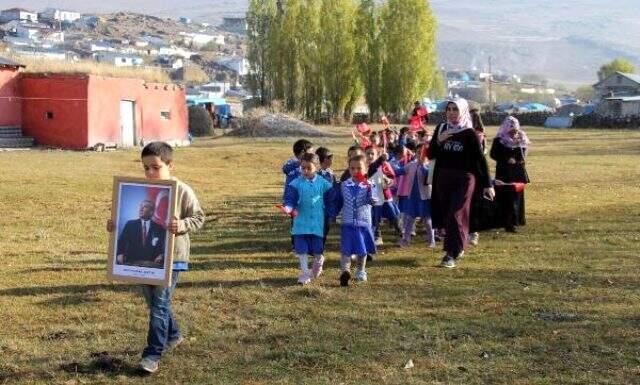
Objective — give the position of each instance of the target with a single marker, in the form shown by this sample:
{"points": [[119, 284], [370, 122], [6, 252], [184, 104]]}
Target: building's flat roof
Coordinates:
{"points": [[17, 10], [625, 98], [9, 63]]}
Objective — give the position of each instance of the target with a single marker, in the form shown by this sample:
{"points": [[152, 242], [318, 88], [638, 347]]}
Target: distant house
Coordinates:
{"points": [[18, 14], [239, 65], [215, 89], [619, 106], [235, 24], [31, 30], [60, 15], [118, 59], [175, 51], [41, 53], [617, 84], [199, 40], [102, 47]]}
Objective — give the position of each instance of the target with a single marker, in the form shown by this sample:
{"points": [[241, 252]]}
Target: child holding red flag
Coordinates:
{"points": [[354, 199]]}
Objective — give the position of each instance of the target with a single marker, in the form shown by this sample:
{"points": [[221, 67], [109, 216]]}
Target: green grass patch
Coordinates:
{"points": [[557, 303]]}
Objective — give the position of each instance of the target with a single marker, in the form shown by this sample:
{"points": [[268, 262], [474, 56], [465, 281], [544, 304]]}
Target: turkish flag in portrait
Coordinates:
{"points": [[160, 196]]}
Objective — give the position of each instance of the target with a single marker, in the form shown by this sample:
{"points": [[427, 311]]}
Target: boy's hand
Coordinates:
{"points": [[173, 226], [288, 210], [511, 161], [110, 226], [120, 259]]}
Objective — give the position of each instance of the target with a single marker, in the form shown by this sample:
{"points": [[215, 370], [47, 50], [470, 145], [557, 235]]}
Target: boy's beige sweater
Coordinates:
{"points": [[191, 218]]}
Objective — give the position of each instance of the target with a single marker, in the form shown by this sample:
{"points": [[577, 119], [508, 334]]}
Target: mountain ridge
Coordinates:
{"points": [[565, 41]]}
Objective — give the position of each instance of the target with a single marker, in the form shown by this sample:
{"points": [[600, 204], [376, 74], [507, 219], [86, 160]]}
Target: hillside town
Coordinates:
{"points": [[209, 65], [131, 40]]}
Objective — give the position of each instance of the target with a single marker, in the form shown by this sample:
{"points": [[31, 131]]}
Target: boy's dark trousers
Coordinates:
{"points": [[163, 327]]}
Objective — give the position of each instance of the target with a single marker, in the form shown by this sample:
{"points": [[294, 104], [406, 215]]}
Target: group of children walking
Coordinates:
{"points": [[389, 176], [385, 179]]}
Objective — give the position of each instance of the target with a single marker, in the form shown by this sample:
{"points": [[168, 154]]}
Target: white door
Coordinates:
{"points": [[127, 123]]}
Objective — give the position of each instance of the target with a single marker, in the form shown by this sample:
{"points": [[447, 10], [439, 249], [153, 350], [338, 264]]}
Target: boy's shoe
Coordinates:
{"points": [[149, 365], [361, 276], [344, 278], [304, 278], [511, 229], [318, 262], [474, 238], [175, 343], [460, 256], [448, 262], [379, 241]]}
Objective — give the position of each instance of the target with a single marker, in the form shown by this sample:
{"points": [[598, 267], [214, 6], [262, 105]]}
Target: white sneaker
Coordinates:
{"points": [[149, 365], [448, 262], [304, 278], [379, 242], [361, 276], [474, 238]]}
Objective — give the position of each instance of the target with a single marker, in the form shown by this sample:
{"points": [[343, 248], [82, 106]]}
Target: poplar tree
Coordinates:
{"points": [[409, 65], [369, 53], [337, 53], [289, 52], [260, 21], [311, 92]]}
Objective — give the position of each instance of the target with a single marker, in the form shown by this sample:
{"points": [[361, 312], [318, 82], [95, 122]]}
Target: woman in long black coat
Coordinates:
{"points": [[459, 165], [509, 150]]}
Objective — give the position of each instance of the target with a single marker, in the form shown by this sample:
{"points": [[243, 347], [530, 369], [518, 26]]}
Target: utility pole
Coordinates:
{"points": [[490, 83]]}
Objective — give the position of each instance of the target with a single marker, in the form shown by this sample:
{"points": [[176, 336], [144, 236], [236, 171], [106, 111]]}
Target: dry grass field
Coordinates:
{"points": [[557, 303]]}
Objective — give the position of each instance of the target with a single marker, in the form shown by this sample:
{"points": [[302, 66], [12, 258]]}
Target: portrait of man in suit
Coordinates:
{"points": [[142, 241]]}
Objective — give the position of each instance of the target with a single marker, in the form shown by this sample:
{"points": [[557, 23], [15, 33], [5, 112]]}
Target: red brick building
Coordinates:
{"points": [[80, 111]]}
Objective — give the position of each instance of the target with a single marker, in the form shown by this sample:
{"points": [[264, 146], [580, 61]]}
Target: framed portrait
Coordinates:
{"points": [[141, 247]]}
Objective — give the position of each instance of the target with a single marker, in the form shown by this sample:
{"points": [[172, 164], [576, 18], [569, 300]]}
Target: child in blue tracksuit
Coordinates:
{"points": [[354, 199], [291, 168], [304, 200]]}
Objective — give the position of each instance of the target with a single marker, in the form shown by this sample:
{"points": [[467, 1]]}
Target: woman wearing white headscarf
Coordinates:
{"points": [[459, 165], [509, 150]]}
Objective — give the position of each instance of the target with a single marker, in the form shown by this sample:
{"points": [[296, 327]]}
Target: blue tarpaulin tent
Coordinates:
{"points": [[220, 104]]}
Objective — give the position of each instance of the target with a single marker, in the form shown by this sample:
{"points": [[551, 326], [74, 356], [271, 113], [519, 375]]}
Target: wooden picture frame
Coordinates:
{"points": [[140, 246]]}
